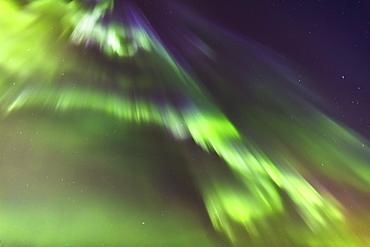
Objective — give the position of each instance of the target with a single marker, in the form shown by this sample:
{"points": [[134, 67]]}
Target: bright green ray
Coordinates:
{"points": [[226, 206]]}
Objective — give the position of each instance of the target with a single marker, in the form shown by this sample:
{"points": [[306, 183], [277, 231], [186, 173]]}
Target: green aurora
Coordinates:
{"points": [[270, 177]]}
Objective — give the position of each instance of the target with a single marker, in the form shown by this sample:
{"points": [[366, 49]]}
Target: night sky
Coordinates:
{"points": [[328, 39], [185, 123]]}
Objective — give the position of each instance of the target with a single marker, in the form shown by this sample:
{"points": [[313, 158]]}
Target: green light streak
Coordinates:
{"points": [[114, 40], [226, 206]]}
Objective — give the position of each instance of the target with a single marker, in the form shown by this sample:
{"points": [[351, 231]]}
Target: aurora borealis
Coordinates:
{"points": [[115, 135]]}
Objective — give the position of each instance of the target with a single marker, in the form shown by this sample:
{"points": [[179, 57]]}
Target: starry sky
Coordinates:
{"points": [[184, 123], [329, 39]]}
